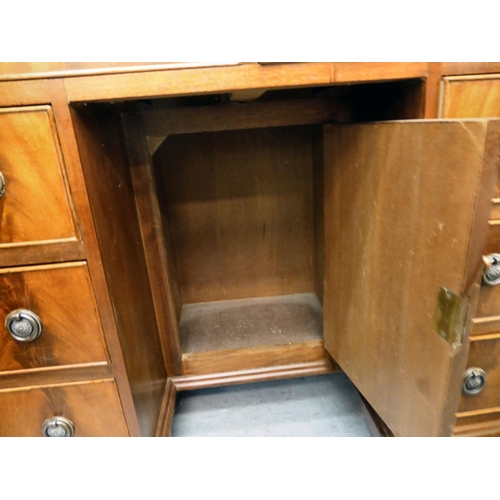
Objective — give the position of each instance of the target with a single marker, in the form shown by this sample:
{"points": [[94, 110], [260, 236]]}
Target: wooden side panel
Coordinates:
{"points": [[111, 195], [401, 201], [240, 209], [94, 408], [63, 298], [35, 206]]}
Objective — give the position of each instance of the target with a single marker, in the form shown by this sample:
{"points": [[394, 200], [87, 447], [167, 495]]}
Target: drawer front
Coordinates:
{"points": [[93, 408], [484, 354], [62, 297], [35, 205], [487, 316]]}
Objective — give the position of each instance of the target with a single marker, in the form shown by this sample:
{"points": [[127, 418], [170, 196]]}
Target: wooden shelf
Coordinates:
{"points": [[245, 323]]}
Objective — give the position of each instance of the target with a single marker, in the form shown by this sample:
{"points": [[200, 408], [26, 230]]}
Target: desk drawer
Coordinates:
{"points": [[487, 316], [484, 353], [93, 409], [61, 296], [35, 205]]}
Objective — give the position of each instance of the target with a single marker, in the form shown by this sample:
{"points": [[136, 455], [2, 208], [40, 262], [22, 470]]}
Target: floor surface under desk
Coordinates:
{"points": [[326, 405]]}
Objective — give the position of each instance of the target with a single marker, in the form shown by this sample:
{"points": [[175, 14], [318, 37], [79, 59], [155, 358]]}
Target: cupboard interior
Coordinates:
{"points": [[239, 190]]}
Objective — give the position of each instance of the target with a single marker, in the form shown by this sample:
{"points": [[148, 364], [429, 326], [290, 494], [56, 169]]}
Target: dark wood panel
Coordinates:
{"points": [[240, 211], [484, 353], [263, 356], [94, 408], [112, 200], [389, 237], [167, 410], [63, 298], [35, 206], [243, 116], [156, 245]]}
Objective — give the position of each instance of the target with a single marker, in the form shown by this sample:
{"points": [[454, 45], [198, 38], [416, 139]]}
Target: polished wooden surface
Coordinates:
{"points": [[62, 296], [245, 227], [30, 70], [474, 68], [478, 424], [245, 375], [94, 408], [484, 353], [79, 193], [395, 217], [231, 78], [471, 97], [35, 206], [155, 237], [53, 251], [263, 356], [112, 200]]}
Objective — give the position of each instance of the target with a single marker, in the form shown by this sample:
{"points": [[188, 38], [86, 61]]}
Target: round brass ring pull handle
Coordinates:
{"points": [[23, 325], [473, 381], [491, 272], [58, 427]]}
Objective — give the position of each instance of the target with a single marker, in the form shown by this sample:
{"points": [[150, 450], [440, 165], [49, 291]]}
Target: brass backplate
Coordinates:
{"points": [[450, 315]]}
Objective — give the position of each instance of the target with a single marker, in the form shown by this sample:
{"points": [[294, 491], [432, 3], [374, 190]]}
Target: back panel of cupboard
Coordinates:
{"points": [[239, 206], [404, 202]]}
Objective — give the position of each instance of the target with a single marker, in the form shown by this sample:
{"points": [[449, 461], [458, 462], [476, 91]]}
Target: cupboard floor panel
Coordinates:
{"points": [[237, 324]]}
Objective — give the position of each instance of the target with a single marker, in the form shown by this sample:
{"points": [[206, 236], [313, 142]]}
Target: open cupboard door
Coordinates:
{"points": [[406, 211]]}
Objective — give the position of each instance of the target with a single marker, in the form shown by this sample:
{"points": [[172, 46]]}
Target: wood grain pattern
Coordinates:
{"points": [[27, 70], [432, 87], [62, 296], [489, 296], [79, 193], [23, 93], [484, 353], [35, 206], [472, 98], [478, 424], [243, 375], [44, 253], [243, 116], [111, 196], [240, 211], [467, 68], [56, 375], [94, 408], [167, 410], [401, 197], [264, 356], [231, 78], [155, 243]]}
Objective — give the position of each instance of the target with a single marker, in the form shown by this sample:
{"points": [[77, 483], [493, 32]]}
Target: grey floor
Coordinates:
{"points": [[326, 405]]}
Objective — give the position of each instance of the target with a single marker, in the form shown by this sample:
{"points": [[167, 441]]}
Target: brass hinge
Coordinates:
{"points": [[451, 315]]}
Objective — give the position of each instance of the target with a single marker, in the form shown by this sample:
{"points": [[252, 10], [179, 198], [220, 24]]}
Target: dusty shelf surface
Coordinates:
{"points": [[236, 324]]}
